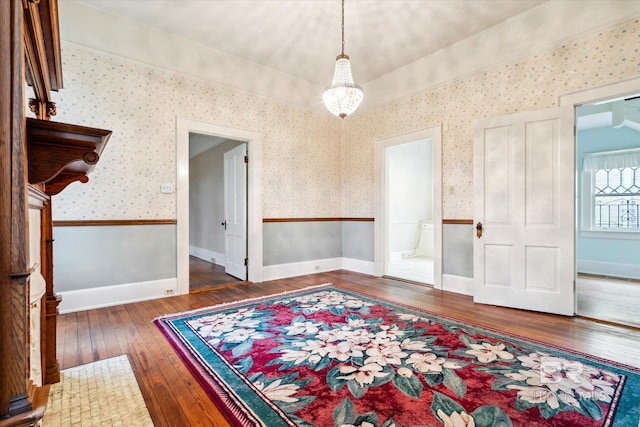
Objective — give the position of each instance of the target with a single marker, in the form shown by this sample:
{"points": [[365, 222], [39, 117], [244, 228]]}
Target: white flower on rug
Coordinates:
{"points": [[303, 328], [326, 301], [278, 391], [455, 419], [389, 332], [536, 395], [411, 345], [364, 375], [243, 334], [429, 362], [318, 347], [295, 356], [386, 352], [568, 378], [487, 353], [409, 317], [345, 350], [242, 313], [405, 372], [358, 336]]}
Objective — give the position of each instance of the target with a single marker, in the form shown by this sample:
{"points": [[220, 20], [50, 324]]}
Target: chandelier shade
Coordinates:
{"points": [[343, 96]]}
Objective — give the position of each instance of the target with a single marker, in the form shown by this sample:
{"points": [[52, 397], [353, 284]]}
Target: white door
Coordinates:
{"points": [[524, 200], [235, 212]]}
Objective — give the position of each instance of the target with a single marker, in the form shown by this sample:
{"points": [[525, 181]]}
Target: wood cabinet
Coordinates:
{"points": [[38, 159]]}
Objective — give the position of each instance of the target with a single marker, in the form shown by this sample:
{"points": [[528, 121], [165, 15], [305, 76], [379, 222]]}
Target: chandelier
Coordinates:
{"points": [[343, 96]]}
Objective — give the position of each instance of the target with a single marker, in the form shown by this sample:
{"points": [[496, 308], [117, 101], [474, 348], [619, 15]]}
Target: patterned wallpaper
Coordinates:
{"points": [[307, 157], [301, 149], [532, 83]]}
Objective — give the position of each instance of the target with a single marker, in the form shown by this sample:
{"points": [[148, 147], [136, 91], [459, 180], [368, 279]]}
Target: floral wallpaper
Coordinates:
{"points": [[313, 164], [532, 83], [140, 103]]}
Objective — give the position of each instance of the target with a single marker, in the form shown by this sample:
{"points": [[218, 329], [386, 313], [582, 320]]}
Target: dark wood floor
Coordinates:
{"points": [[205, 275], [173, 396]]}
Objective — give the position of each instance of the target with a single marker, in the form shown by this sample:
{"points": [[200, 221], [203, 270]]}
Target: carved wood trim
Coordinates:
{"points": [[48, 341], [112, 222], [51, 32], [39, 396], [37, 198], [60, 153], [21, 274], [62, 181], [42, 54], [317, 219], [52, 367]]}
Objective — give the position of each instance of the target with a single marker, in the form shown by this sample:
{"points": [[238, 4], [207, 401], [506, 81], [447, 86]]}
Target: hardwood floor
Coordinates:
{"points": [[173, 396], [205, 275]]}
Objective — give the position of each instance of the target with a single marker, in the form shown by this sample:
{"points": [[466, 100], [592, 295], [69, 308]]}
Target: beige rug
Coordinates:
{"points": [[103, 393]]}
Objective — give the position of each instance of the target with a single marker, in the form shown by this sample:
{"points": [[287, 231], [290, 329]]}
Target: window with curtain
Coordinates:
{"points": [[611, 190]]}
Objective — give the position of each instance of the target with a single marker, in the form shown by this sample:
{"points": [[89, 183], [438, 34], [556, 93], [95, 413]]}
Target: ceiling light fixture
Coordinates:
{"points": [[343, 96]]}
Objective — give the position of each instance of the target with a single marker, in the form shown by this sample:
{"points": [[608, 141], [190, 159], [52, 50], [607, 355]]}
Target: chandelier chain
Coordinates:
{"points": [[342, 27], [343, 96]]}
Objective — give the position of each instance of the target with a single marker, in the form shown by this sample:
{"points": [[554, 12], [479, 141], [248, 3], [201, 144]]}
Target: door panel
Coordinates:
{"points": [[523, 196], [496, 154], [235, 187]]}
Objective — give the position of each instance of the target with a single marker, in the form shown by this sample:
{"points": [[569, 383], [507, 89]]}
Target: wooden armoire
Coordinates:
{"points": [[38, 159]]}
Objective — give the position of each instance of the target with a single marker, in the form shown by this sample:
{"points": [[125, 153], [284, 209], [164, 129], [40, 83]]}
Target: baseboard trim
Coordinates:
{"points": [[283, 271], [458, 284], [207, 255], [106, 296], [359, 266], [630, 271]]}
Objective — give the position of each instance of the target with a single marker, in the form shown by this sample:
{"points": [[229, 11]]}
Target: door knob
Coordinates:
{"points": [[224, 224], [479, 230]]}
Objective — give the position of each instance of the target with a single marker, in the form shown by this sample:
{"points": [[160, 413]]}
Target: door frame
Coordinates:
{"points": [[606, 92], [254, 195], [435, 134]]}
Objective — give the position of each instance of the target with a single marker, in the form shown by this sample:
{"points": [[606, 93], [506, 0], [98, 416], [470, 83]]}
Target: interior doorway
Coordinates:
{"points": [[212, 261], [253, 142], [409, 207], [608, 209]]}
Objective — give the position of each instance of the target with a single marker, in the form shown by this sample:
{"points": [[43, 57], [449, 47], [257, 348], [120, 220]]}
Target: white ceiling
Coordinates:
{"points": [[199, 143], [285, 50], [302, 37], [615, 113]]}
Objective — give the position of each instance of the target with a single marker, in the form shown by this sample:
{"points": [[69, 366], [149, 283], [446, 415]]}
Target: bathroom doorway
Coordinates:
{"points": [[409, 189], [408, 224]]}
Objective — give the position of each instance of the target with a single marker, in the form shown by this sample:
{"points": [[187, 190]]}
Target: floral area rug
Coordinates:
{"points": [[324, 356]]}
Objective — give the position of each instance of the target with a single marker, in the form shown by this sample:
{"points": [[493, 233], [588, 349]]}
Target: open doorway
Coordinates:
{"points": [[608, 209], [409, 207], [253, 140], [211, 257]]}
